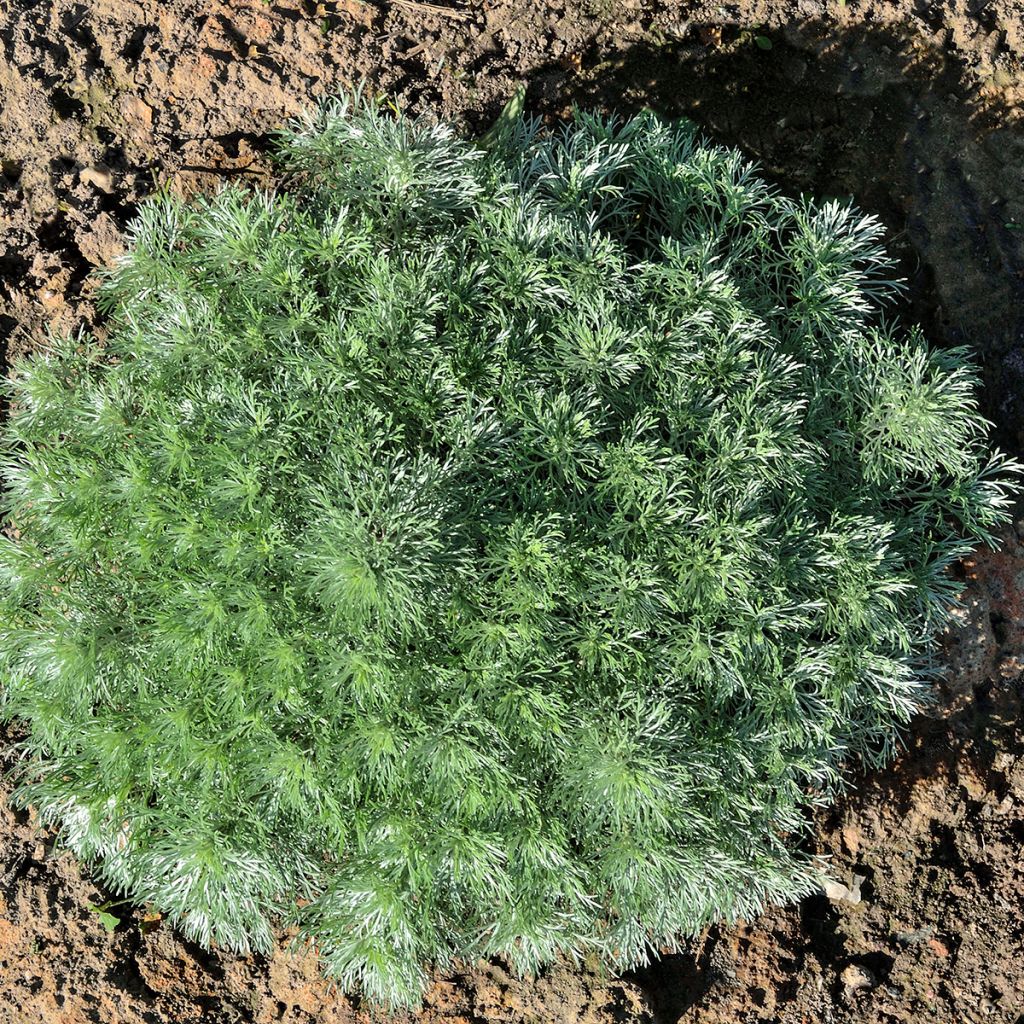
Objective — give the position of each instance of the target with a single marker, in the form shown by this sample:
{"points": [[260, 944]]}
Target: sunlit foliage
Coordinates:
{"points": [[478, 551]]}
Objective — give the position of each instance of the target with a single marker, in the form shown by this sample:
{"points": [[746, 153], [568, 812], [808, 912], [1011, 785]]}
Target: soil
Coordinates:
{"points": [[911, 106]]}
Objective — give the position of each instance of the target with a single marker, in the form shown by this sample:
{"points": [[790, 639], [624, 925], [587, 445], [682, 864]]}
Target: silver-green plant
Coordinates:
{"points": [[479, 551]]}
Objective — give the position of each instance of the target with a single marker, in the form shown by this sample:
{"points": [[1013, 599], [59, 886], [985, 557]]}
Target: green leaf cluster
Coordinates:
{"points": [[478, 551]]}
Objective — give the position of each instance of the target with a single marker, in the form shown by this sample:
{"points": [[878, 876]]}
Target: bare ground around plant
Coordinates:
{"points": [[911, 106]]}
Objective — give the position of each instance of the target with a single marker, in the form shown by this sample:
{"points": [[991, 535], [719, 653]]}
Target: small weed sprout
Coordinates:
{"points": [[479, 551]]}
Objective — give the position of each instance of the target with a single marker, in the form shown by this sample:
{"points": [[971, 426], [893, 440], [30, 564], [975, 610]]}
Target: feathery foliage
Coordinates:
{"points": [[478, 551]]}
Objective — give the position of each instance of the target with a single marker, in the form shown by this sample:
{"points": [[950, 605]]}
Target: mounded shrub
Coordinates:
{"points": [[478, 551]]}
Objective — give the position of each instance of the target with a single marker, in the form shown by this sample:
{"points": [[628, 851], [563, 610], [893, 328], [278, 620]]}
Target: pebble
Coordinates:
{"points": [[856, 978], [839, 893], [98, 175]]}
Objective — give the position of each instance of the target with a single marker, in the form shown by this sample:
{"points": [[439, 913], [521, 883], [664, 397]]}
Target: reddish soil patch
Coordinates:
{"points": [[908, 105]]}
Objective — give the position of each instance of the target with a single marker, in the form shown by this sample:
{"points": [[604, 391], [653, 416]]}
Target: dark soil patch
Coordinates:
{"points": [[911, 106]]}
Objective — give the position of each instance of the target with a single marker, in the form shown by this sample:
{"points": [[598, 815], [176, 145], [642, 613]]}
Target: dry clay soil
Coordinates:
{"points": [[908, 105]]}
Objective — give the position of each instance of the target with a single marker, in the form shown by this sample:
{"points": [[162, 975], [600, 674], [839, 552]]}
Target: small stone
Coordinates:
{"points": [[102, 243], [856, 978], [938, 947], [136, 109], [851, 838], [839, 893], [99, 176]]}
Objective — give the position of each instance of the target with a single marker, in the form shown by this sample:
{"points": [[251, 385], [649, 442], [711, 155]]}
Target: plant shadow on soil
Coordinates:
{"points": [[870, 114]]}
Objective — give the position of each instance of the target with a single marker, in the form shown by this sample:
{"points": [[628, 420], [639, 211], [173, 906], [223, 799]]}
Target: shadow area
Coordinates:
{"points": [[864, 112]]}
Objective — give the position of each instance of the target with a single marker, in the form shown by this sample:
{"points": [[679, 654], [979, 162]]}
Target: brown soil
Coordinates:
{"points": [[908, 105]]}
